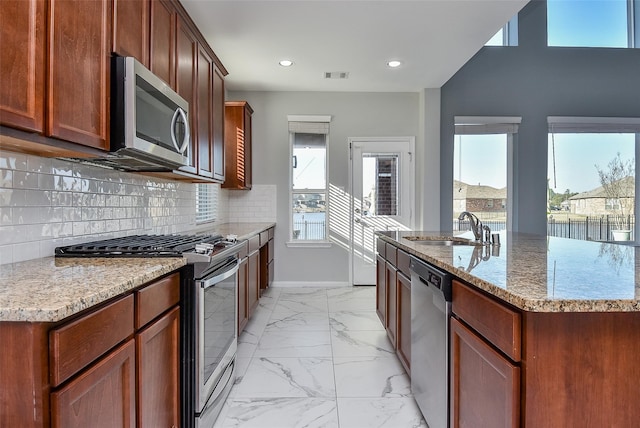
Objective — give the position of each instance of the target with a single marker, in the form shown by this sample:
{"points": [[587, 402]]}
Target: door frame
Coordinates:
{"points": [[412, 145]]}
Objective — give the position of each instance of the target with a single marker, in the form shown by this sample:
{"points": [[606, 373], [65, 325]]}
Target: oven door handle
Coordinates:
{"points": [[227, 272]]}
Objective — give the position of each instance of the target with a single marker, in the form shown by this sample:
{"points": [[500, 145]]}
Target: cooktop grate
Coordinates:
{"points": [[137, 246]]}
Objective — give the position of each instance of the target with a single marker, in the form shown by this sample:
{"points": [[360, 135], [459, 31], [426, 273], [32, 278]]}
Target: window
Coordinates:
{"points": [[591, 177], [206, 202], [309, 190], [507, 35], [593, 23], [480, 182]]}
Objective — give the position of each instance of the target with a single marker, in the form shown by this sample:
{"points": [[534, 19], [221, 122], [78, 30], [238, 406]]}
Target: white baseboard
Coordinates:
{"points": [[317, 284]]}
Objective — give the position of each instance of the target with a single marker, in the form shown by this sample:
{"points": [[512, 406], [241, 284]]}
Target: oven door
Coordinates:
{"points": [[216, 331]]}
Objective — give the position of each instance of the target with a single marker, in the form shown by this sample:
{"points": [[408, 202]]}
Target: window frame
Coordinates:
{"points": [[603, 125], [313, 121], [633, 29]]}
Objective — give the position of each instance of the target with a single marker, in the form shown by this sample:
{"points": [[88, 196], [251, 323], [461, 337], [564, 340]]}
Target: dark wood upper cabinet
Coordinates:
{"points": [[131, 29], [186, 48], [22, 64], [78, 71], [237, 145], [163, 36], [218, 125], [204, 108]]}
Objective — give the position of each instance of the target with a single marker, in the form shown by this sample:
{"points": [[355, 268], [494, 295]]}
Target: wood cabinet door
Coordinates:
{"points": [[243, 283], [186, 61], [131, 29], [253, 291], [101, 397], [404, 321], [162, 39], [22, 63], [218, 161], [485, 386], [158, 365], [392, 302], [79, 65], [381, 289], [248, 141], [204, 111]]}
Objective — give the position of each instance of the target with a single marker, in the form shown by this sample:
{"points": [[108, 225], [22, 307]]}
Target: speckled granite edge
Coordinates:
{"points": [[49, 289], [521, 298]]}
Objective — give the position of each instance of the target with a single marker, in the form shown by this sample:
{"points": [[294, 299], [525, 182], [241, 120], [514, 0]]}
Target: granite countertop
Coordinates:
{"points": [[538, 273], [51, 289]]}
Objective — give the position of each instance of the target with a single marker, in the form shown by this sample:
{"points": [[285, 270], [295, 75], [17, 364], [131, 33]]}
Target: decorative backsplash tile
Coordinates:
{"points": [[45, 203], [256, 205]]}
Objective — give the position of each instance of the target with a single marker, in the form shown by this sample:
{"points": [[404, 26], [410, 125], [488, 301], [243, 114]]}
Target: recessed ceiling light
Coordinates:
{"points": [[286, 63], [394, 64]]}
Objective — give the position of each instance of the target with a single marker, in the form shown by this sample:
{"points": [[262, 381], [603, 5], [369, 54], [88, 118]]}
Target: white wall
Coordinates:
{"points": [[353, 115]]}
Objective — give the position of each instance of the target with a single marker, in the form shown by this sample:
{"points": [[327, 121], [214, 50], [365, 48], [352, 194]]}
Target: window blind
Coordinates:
{"points": [[309, 124], [479, 125], [593, 125], [206, 203]]}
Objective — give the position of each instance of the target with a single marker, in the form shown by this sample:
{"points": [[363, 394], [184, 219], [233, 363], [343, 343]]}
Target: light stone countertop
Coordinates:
{"points": [[51, 289], [538, 273]]}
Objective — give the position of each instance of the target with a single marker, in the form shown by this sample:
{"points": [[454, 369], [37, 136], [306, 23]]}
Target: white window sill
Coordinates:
{"points": [[309, 244]]}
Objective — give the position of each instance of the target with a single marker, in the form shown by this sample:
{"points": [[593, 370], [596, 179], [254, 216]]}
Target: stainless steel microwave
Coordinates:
{"points": [[149, 120]]}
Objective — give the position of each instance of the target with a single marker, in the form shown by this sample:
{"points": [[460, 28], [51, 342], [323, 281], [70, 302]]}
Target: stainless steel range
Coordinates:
{"points": [[208, 311]]}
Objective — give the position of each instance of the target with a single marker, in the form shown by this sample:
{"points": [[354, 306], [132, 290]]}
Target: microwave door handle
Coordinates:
{"points": [[187, 131]]}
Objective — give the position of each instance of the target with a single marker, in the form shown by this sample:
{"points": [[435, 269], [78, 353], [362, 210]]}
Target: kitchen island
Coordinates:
{"points": [[545, 332]]}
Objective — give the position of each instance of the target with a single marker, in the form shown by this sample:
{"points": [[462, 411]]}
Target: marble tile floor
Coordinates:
{"points": [[318, 358]]}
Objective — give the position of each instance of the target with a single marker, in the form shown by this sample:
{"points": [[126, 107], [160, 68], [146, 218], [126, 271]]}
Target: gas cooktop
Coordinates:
{"points": [[194, 247]]}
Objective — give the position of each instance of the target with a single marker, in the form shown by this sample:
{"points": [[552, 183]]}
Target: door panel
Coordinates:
{"points": [[382, 189]]}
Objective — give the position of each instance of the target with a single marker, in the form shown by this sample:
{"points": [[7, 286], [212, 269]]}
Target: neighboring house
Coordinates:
{"points": [[596, 202], [478, 198]]}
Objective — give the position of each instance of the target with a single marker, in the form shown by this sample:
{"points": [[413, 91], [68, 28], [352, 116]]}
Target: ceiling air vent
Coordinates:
{"points": [[336, 75]]}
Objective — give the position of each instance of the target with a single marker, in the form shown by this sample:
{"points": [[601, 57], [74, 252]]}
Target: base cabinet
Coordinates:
{"points": [[404, 321], [485, 386], [103, 396], [158, 381], [113, 366]]}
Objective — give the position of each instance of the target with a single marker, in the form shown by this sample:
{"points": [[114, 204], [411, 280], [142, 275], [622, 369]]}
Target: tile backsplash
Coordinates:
{"points": [[45, 203]]}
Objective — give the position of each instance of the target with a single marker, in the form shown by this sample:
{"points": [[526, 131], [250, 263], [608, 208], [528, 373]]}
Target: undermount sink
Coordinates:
{"points": [[440, 240]]}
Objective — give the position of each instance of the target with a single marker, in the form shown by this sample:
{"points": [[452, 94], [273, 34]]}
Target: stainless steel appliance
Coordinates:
{"points": [[149, 121], [208, 312], [430, 312]]}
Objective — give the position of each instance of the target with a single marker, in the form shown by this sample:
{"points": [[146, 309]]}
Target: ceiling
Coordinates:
{"points": [[432, 38]]}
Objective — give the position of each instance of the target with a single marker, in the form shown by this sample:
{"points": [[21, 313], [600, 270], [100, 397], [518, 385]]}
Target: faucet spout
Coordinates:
{"points": [[474, 222]]}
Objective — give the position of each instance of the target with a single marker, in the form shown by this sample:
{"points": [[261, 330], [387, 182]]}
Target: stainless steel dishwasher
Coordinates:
{"points": [[430, 311]]}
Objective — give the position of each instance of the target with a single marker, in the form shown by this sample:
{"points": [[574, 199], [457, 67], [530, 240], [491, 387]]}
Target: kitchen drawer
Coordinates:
{"points": [[264, 237], [244, 250], [499, 324], [391, 254], [381, 247], [156, 298], [254, 243], [75, 345], [403, 263], [272, 232]]}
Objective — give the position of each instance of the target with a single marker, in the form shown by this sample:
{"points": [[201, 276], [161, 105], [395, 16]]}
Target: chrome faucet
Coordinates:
{"points": [[476, 226]]}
